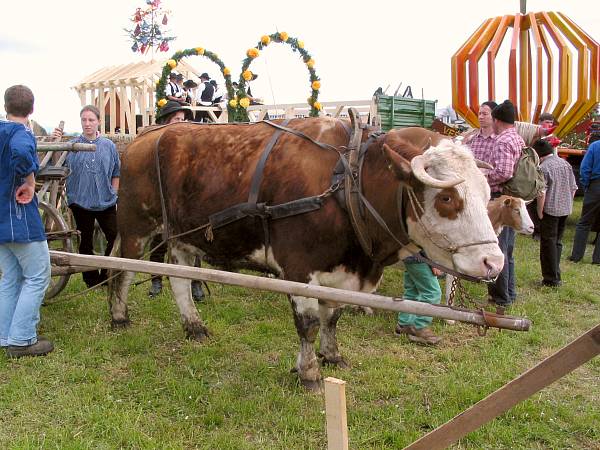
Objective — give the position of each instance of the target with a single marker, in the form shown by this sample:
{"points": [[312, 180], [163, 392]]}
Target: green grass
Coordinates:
{"points": [[147, 387]]}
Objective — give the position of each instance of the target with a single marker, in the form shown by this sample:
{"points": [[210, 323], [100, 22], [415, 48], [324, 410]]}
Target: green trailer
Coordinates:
{"points": [[399, 112]]}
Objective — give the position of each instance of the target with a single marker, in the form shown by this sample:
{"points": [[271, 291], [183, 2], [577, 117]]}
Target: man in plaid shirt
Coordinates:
{"points": [[504, 156], [481, 142]]}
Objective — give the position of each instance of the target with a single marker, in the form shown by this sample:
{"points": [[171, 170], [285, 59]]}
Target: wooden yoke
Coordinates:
{"points": [[352, 184]]}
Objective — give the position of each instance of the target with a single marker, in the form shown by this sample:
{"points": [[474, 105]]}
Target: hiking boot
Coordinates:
{"points": [[197, 292], [424, 336], [156, 287], [41, 348]]}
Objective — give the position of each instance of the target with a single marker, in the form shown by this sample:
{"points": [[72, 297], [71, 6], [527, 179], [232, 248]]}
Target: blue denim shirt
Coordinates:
{"points": [[589, 170], [18, 222], [89, 185]]}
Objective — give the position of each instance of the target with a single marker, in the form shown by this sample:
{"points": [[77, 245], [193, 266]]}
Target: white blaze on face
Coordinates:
{"points": [[526, 222], [470, 225]]}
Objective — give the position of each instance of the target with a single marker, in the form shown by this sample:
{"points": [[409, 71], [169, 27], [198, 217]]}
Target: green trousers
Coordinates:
{"points": [[421, 285]]}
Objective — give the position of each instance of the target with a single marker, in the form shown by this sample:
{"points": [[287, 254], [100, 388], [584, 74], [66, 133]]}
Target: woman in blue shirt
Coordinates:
{"points": [[92, 189]]}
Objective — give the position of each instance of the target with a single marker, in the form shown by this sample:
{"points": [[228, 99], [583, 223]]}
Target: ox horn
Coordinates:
{"points": [[418, 167], [482, 164]]}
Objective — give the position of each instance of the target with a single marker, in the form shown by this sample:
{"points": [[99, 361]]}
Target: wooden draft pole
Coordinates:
{"points": [[293, 288], [335, 409], [556, 366]]}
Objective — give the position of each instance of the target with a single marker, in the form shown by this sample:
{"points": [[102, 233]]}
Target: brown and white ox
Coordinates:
{"points": [[208, 168]]}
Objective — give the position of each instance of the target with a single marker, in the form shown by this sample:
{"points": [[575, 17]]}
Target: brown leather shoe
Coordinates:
{"points": [[424, 336], [404, 329], [41, 348]]}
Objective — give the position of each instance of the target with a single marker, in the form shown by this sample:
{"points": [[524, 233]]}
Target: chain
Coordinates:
{"points": [[460, 297]]}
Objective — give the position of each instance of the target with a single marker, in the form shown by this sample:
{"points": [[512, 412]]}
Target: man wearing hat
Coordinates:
{"points": [[553, 207], [204, 97], [174, 91], [503, 157]]}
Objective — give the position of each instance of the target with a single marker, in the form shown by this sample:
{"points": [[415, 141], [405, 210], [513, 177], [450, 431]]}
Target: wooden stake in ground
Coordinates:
{"points": [[335, 409], [564, 361]]}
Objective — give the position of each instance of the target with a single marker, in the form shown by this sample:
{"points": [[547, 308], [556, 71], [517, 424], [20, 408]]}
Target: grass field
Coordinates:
{"points": [[147, 387]]}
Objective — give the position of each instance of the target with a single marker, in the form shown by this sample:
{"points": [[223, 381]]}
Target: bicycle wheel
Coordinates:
{"points": [[58, 238]]}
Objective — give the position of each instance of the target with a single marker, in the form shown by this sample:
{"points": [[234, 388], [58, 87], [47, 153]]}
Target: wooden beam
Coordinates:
{"points": [[68, 146], [335, 409], [556, 366], [326, 294]]}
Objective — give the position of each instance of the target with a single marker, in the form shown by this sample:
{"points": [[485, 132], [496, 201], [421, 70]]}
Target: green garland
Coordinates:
{"points": [[238, 108], [161, 85], [239, 100]]}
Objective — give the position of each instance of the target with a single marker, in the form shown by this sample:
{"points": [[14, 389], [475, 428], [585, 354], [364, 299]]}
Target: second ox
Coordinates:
{"points": [[185, 175]]}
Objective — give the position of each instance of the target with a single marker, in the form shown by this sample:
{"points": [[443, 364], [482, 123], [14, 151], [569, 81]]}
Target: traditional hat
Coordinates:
{"points": [[505, 112], [170, 108]]}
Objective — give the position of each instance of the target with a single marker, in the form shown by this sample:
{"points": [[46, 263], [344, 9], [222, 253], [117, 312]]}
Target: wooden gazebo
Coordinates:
{"points": [[126, 94]]}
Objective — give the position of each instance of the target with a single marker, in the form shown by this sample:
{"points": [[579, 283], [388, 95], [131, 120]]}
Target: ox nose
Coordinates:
{"points": [[493, 264]]}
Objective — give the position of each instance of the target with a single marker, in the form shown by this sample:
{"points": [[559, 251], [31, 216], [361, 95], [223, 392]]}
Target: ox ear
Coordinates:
{"points": [[397, 164], [507, 201]]}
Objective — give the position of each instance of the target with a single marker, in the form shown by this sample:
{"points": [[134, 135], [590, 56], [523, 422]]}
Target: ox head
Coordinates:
{"points": [[451, 224], [506, 211]]}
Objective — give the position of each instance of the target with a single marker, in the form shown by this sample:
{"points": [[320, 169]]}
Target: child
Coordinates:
{"points": [[420, 284]]}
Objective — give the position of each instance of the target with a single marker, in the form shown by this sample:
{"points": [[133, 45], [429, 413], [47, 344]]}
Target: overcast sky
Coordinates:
{"points": [[357, 45]]}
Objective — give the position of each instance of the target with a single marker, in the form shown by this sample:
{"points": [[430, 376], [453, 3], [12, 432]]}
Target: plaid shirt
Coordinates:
{"points": [[560, 186], [482, 146], [504, 157]]}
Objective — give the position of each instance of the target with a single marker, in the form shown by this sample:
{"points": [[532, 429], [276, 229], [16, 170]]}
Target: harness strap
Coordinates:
{"points": [[352, 188], [257, 180], [166, 231], [260, 165]]}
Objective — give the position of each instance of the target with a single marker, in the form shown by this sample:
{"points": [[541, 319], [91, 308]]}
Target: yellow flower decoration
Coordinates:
{"points": [[316, 85], [252, 52], [172, 63], [245, 102], [318, 106], [226, 71], [265, 39], [247, 75], [310, 63], [310, 100], [233, 103], [200, 50], [162, 102], [283, 36], [300, 44]]}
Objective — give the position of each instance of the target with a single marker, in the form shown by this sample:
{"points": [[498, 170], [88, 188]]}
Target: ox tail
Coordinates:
{"points": [[112, 273]]}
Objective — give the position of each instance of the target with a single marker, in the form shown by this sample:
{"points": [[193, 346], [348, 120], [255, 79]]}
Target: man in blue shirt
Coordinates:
{"points": [[92, 189], [589, 178], [24, 257]]}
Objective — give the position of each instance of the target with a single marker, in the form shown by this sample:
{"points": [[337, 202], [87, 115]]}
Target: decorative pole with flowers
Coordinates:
{"points": [[148, 32], [171, 64], [240, 101]]}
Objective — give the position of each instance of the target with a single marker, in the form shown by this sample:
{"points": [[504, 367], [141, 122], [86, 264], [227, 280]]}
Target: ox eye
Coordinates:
{"points": [[445, 198]]}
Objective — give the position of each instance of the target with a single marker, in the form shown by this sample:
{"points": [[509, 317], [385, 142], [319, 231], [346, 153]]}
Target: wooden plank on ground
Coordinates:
{"points": [[556, 366], [335, 409], [326, 294]]}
